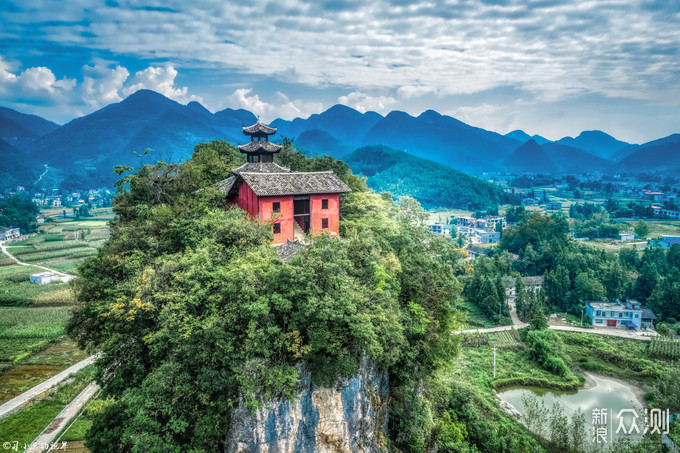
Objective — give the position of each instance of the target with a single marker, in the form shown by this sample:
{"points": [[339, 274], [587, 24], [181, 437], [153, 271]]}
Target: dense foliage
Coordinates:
{"points": [[18, 211], [574, 272], [192, 308], [431, 183]]}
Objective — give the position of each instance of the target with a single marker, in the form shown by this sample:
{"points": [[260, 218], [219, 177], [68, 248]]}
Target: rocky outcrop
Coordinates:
{"points": [[350, 417]]}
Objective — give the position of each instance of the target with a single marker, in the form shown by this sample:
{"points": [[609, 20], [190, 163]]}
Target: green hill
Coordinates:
{"points": [[431, 183]]}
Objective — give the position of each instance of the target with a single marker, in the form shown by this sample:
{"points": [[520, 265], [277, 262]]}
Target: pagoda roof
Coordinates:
{"points": [[259, 146], [285, 183], [261, 167], [294, 183], [259, 129]]}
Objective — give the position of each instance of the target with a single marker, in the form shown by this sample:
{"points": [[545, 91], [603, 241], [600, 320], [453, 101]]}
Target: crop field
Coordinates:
{"points": [[504, 338], [25, 425]]}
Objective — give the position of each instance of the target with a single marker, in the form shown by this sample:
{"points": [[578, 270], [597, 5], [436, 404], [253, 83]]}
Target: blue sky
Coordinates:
{"points": [[545, 66]]}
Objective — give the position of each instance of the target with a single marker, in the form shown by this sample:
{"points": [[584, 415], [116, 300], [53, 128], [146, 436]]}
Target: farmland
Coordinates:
{"points": [[33, 345]]}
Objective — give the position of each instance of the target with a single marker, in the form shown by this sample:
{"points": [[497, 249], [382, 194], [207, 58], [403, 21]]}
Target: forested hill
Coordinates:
{"points": [[431, 183]]}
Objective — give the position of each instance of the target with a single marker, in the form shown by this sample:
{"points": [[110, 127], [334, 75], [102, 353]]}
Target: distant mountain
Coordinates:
{"points": [[550, 157], [523, 137], [444, 138], [21, 130], [431, 183], [657, 155], [316, 140], [84, 150], [15, 168], [530, 157], [343, 123], [144, 120], [596, 143]]}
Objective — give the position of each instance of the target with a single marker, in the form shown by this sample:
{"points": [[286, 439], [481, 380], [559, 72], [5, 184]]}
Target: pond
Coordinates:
{"points": [[599, 392]]}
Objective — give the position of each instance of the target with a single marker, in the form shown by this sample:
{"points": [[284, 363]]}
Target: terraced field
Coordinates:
{"points": [[33, 345]]}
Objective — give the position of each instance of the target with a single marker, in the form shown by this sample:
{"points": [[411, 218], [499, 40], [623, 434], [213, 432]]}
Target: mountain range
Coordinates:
{"points": [[87, 148]]}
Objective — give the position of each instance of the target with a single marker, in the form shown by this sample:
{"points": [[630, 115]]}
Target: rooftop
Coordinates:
{"points": [[294, 183], [608, 305], [259, 146], [259, 129]]}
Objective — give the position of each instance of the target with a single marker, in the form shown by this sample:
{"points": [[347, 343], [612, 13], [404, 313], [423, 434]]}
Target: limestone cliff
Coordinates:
{"points": [[350, 417]]}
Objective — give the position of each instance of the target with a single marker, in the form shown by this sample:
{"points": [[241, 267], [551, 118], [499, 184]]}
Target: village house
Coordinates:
{"points": [[665, 241], [553, 206], [443, 229], [654, 196], [294, 202], [8, 234], [618, 314], [670, 214], [485, 236], [48, 277], [625, 237]]}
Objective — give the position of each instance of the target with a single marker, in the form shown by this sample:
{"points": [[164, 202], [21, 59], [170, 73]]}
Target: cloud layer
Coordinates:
{"points": [[380, 55]]}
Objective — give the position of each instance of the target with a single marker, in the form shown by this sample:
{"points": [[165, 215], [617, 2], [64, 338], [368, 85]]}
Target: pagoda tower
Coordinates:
{"points": [[259, 149]]}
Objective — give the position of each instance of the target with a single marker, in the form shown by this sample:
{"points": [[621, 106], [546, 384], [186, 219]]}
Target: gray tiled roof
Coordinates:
{"points": [[259, 129], [255, 146], [294, 183], [261, 167], [648, 314], [226, 184]]}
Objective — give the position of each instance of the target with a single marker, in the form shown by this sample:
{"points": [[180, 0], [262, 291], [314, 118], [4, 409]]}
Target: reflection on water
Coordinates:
{"points": [[604, 394]]}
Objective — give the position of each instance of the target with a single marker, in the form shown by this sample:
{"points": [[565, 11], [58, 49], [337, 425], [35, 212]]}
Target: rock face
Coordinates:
{"points": [[350, 417]]}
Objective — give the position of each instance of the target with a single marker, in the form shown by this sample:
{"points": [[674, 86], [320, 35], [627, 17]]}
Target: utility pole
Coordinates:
{"points": [[494, 362], [581, 317]]}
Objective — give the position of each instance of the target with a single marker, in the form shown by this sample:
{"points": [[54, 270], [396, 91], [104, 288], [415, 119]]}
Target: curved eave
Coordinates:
{"points": [[261, 147], [259, 129]]}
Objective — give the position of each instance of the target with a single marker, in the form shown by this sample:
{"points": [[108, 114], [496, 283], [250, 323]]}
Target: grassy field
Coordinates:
{"points": [[25, 425], [475, 317], [33, 345]]}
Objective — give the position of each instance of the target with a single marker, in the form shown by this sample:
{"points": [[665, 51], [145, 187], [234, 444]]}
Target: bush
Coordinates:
{"points": [[545, 348]]}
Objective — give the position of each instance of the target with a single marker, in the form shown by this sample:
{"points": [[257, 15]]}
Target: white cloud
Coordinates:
{"points": [[103, 84], [280, 107], [161, 80], [413, 91], [364, 103], [37, 83]]}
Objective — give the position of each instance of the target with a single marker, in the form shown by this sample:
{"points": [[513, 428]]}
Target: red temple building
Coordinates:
{"points": [[295, 202]]}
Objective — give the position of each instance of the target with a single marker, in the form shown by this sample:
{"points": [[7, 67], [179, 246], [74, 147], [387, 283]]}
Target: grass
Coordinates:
{"points": [[475, 317], [25, 425], [619, 357], [40, 365], [78, 430], [513, 367], [23, 322]]}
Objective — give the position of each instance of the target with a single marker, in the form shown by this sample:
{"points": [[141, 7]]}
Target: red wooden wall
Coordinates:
{"points": [[285, 217], [332, 213]]}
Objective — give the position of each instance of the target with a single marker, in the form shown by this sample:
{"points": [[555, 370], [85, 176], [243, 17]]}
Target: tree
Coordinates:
{"points": [[185, 280], [641, 229]]}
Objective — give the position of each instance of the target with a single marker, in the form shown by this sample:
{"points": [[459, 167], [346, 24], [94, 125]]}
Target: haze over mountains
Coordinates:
{"points": [[85, 150]]}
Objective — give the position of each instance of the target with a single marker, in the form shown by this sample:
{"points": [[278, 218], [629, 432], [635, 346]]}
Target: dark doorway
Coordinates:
{"points": [[301, 212]]}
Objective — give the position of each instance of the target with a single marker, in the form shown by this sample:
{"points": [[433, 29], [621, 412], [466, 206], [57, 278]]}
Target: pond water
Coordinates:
{"points": [[599, 393]]}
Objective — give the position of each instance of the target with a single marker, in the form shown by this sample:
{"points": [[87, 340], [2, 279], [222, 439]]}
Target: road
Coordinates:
{"points": [[18, 402], [49, 434], [517, 324], [3, 247]]}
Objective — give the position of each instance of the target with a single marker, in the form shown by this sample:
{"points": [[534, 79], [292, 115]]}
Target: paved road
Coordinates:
{"points": [[49, 434], [517, 324], [3, 247], [18, 402]]}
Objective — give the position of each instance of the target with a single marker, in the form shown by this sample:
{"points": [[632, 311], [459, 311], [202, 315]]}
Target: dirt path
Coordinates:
{"points": [[3, 247], [49, 434], [18, 402]]}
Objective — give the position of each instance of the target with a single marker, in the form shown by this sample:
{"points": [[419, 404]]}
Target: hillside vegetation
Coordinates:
{"points": [[434, 185], [192, 308]]}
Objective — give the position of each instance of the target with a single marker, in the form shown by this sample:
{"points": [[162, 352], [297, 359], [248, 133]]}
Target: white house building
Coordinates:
{"points": [[618, 314], [48, 277]]}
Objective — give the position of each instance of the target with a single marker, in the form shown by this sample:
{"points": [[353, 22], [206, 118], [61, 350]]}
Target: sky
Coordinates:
{"points": [[548, 67]]}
